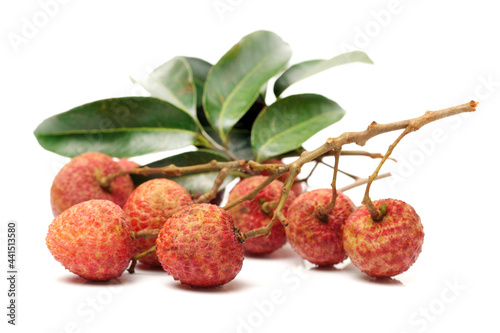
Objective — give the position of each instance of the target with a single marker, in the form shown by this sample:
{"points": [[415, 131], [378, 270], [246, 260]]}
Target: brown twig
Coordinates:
{"points": [[306, 179], [251, 195], [378, 213], [322, 213], [362, 153], [134, 259], [278, 212], [361, 181], [145, 233], [174, 170], [223, 173], [359, 138], [331, 145]]}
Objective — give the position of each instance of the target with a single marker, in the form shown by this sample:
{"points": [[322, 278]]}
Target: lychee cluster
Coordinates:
{"points": [[203, 245], [93, 237], [382, 248]]}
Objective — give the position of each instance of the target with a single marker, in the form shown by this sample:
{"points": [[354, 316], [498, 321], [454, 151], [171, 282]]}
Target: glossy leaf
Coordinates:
{"points": [[235, 82], [197, 183], [173, 82], [240, 145], [246, 122], [200, 69], [120, 127], [305, 69], [286, 124]]}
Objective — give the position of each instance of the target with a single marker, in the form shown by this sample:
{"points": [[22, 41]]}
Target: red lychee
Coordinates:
{"points": [[92, 239], [388, 247], [313, 239], [297, 187], [253, 214], [78, 181], [149, 206], [199, 246]]}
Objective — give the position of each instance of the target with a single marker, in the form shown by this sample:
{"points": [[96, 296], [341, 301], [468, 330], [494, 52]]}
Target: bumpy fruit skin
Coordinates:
{"points": [[91, 239], [77, 182], [313, 239], [149, 206], [198, 246], [248, 215], [297, 188], [386, 248]]}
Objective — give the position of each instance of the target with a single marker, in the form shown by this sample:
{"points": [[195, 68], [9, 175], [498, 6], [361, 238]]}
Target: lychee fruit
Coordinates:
{"points": [[78, 181], [149, 206], [297, 187], [199, 246], [388, 247], [318, 240], [91, 239], [257, 213]]}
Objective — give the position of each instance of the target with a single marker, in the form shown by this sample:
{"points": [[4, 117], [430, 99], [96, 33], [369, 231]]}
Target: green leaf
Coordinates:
{"points": [[235, 82], [196, 183], [305, 69], [246, 122], [173, 82], [200, 69], [240, 145], [286, 124], [120, 127]]}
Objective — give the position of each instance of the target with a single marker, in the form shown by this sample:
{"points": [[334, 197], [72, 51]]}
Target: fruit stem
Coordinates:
{"points": [[267, 207], [363, 153], [322, 212], [362, 181], [359, 138], [105, 181], [306, 179], [278, 214], [173, 170], [223, 173], [251, 194], [134, 259], [145, 233], [379, 213]]}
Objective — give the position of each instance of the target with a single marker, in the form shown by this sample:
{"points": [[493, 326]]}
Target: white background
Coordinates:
{"points": [[428, 55]]}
